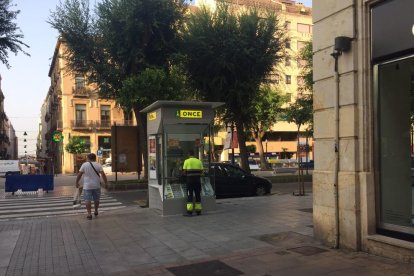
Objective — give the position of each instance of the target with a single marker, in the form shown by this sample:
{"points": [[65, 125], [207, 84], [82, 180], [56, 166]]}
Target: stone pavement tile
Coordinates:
{"points": [[137, 259], [175, 243], [149, 242], [171, 258], [219, 238], [204, 244], [189, 237], [216, 251], [157, 251], [190, 252], [246, 243]]}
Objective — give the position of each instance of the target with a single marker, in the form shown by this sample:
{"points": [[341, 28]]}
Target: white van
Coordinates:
{"points": [[9, 167]]}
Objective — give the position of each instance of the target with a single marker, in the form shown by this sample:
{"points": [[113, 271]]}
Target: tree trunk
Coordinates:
{"points": [[242, 145], [259, 145], [300, 171], [142, 130]]}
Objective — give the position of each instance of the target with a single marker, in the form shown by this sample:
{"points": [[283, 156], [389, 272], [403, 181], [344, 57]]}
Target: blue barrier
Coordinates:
{"points": [[29, 182]]}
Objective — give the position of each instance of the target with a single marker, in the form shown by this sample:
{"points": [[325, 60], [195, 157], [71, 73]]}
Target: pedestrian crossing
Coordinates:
{"points": [[19, 208]]}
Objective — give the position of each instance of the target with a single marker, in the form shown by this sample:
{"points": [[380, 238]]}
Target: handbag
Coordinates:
{"points": [[77, 202]]}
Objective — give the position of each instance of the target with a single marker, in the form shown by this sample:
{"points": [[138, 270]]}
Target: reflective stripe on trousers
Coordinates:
{"points": [[198, 206]]}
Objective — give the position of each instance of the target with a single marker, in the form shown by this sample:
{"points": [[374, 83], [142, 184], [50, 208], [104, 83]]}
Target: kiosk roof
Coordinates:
{"points": [[159, 104]]}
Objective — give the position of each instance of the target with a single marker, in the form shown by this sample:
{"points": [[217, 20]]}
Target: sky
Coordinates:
{"points": [[26, 83]]}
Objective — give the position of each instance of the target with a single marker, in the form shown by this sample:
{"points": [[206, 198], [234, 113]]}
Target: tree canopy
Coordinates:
{"points": [[121, 46], [228, 55], [10, 36], [306, 54], [121, 39], [266, 109], [75, 145]]}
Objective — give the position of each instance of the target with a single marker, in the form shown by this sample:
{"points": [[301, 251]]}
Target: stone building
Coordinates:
{"points": [[72, 107], [8, 139], [363, 179]]}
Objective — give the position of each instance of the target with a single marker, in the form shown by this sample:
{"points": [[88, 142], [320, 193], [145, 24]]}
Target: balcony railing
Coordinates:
{"points": [[82, 124], [89, 124], [81, 91], [109, 124], [124, 123], [103, 124]]}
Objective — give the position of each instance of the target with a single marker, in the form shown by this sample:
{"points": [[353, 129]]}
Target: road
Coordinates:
{"points": [[59, 202]]}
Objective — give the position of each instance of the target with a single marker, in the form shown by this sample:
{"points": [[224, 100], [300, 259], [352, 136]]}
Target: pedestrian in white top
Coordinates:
{"points": [[91, 183]]}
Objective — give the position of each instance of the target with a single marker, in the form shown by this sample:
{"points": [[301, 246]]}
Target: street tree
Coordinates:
{"points": [[117, 43], [75, 146], [266, 109], [306, 55], [300, 113], [228, 55], [10, 36]]}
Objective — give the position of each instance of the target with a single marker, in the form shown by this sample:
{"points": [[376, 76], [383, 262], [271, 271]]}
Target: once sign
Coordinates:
{"points": [[194, 114], [152, 116]]}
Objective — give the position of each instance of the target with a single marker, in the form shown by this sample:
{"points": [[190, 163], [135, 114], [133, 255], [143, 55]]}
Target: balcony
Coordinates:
{"points": [[103, 124], [107, 124], [4, 138], [81, 91], [59, 125], [124, 123], [81, 124]]}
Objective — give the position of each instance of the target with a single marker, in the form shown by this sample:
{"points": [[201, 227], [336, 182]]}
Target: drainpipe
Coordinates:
{"points": [[342, 44]]}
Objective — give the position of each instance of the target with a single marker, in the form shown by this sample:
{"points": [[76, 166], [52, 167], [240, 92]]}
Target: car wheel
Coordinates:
{"points": [[260, 191]]}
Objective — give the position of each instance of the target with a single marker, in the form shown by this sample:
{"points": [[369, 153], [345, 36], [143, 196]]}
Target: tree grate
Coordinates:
{"points": [[308, 250], [210, 268]]}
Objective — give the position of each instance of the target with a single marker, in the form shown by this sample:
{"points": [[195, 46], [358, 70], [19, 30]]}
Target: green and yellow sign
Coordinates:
{"points": [[193, 114], [57, 136]]}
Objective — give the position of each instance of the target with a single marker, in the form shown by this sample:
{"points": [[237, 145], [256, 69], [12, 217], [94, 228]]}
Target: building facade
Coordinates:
{"points": [[363, 101], [8, 139], [72, 108]]}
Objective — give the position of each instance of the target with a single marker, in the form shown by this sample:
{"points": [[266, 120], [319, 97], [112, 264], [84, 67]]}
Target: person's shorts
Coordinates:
{"points": [[94, 194]]}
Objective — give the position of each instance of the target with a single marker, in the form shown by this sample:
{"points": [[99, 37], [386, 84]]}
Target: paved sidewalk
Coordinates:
{"points": [[248, 236]]}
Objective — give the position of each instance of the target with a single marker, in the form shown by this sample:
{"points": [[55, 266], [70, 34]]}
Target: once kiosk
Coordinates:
{"points": [[174, 128]]}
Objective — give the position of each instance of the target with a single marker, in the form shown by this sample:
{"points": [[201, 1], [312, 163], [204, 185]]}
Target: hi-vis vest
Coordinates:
{"points": [[193, 166]]}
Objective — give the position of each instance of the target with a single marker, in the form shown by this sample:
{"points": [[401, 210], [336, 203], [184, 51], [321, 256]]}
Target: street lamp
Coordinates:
{"points": [[25, 152]]}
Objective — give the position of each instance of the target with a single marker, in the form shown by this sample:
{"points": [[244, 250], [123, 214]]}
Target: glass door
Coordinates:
{"points": [[395, 117]]}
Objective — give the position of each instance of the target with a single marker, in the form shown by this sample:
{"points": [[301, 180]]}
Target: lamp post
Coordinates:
{"points": [[25, 152]]}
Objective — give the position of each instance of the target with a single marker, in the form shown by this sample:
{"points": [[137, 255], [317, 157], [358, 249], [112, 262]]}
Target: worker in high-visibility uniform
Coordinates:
{"points": [[193, 168]]}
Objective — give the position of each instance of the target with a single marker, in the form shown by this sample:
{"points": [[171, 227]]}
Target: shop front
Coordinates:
{"points": [[393, 82], [363, 182]]}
